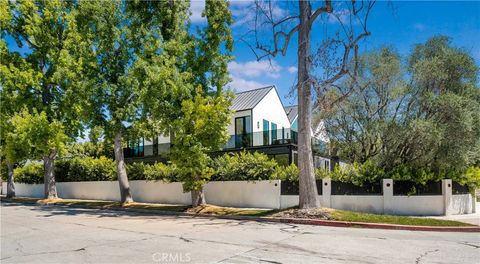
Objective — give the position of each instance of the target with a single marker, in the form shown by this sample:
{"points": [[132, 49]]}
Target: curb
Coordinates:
{"points": [[300, 221]]}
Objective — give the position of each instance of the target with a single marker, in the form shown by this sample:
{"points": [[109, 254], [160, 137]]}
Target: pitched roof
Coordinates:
{"points": [[292, 112], [249, 99]]}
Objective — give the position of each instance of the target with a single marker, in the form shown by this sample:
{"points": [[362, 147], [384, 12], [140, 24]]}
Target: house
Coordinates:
{"points": [[260, 123]]}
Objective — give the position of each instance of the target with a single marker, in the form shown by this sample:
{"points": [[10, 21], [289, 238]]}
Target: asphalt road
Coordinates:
{"points": [[49, 234]]}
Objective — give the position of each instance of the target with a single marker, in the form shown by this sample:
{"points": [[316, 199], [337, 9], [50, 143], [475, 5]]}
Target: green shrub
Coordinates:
{"points": [[155, 172], [85, 169], [136, 171], [244, 166], [286, 173], [31, 172]]}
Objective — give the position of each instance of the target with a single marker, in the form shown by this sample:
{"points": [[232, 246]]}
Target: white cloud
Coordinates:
{"points": [[197, 7], [339, 16], [240, 85], [419, 27], [243, 12], [255, 68], [292, 69]]}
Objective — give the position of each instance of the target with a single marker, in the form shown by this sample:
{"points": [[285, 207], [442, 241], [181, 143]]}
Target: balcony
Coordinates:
{"points": [[270, 138], [262, 138]]}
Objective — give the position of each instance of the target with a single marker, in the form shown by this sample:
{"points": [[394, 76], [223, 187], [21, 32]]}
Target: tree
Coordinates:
{"points": [[139, 50], [27, 139], [202, 124], [200, 130], [423, 115], [351, 18], [51, 70]]}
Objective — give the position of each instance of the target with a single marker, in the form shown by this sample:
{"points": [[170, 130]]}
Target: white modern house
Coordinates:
{"points": [[260, 123]]}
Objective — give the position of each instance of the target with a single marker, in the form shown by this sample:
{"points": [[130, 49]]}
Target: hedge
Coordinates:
{"points": [[242, 166]]}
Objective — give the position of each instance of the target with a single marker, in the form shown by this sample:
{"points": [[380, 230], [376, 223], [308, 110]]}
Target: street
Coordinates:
{"points": [[41, 234]]}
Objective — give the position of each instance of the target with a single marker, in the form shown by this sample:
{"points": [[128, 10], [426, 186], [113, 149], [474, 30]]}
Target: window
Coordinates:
{"points": [[266, 134], [283, 133], [274, 132], [243, 131]]}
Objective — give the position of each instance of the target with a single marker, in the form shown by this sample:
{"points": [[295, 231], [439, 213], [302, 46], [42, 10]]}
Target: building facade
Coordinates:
{"points": [[260, 123]]}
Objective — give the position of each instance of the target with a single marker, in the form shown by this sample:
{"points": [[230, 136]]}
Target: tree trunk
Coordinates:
{"points": [[308, 187], [125, 193], [49, 175], [198, 198], [10, 182]]}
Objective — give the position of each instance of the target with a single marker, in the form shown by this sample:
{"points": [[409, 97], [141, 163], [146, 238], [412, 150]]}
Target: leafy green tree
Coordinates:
{"points": [[201, 126], [140, 49], [419, 117], [33, 135], [200, 130], [50, 72]]}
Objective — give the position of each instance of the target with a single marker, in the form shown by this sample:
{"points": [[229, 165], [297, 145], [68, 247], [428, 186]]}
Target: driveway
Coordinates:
{"points": [[38, 234]]}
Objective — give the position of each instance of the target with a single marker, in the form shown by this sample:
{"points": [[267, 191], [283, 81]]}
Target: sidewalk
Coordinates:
{"points": [[473, 219]]}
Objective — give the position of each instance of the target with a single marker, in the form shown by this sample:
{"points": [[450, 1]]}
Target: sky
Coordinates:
{"points": [[397, 24]]}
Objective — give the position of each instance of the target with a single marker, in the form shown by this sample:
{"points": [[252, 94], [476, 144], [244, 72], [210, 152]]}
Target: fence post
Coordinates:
{"points": [[447, 196], [327, 192], [474, 201], [387, 186]]}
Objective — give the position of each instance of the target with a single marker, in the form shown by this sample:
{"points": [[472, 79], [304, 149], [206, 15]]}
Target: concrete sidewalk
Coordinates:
{"points": [[473, 219]]}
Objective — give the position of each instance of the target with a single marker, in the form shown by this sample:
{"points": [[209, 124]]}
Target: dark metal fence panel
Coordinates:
{"points": [[292, 187], [412, 188], [346, 188], [458, 188]]}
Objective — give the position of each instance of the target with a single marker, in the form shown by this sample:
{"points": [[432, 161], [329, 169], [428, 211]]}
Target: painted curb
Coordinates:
{"points": [[300, 221]]}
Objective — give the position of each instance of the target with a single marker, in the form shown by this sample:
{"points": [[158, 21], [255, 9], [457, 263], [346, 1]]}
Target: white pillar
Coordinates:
{"points": [[387, 196], [326, 192], [474, 201], [447, 196]]}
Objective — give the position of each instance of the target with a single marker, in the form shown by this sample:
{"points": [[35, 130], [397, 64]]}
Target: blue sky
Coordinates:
{"points": [[396, 24]]}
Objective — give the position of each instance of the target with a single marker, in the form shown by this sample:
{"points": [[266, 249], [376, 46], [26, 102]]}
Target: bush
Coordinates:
{"points": [[85, 169], [93, 169], [31, 172], [244, 166], [286, 173], [156, 172]]}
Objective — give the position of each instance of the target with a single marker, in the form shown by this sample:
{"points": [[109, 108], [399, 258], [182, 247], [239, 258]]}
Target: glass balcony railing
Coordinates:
{"points": [[262, 138], [247, 140]]}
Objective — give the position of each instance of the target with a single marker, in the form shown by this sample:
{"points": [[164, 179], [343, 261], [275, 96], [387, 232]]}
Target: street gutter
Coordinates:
{"points": [[300, 221]]}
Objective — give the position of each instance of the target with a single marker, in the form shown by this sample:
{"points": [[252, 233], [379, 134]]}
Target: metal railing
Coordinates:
{"points": [[246, 140]]}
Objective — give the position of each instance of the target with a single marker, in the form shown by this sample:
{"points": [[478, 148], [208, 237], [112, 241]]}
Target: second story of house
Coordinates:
{"points": [[259, 120]]}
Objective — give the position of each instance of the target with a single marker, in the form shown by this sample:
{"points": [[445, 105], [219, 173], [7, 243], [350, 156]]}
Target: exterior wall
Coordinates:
{"points": [[358, 203], [231, 126], [271, 109], [417, 205], [461, 204], [261, 194], [157, 191], [91, 190]]}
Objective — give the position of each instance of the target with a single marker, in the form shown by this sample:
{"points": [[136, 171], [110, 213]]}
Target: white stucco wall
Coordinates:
{"points": [[358, 203], [417, 205], [90, 190], [159, 192], [260, 194], [461, 204], [271, 109]]}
